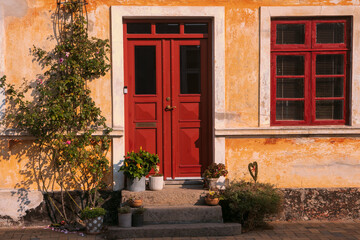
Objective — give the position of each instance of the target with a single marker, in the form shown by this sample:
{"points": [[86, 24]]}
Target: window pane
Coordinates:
{"points": [[167, 28], [190, 77], [329, 109], [138, 28], [330, 64], [329, 32], [289, 65], [290, 33], [329, 87], [290, 88], [196, 28], [289, 110], [145, 70]]}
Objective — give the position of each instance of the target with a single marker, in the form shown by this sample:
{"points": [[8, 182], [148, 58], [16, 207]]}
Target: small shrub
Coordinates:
{"points": [[124, 210], [90, 213], [140, 210], [248, 203]]}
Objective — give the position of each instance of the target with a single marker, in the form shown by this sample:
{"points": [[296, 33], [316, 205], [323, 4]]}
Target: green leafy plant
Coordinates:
{"points": [[248, 203], [140, 210], [139, 164], [71, 135], [124, 210], [214, 194], [215, 170], [90, 213]]}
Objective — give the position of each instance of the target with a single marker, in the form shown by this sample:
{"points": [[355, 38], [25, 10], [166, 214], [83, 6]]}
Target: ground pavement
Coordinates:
{"points": [[282, 230]]}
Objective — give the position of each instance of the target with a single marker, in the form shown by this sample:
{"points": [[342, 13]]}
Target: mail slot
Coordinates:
{"points": [[146, 124]]}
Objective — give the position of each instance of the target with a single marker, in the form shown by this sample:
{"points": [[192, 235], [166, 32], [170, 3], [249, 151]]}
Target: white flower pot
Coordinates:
{"points": [[156, 183]]}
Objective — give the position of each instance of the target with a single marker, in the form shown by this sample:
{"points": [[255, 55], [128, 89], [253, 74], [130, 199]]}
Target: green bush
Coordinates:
{"points": [[90, 213], [248, 203]]}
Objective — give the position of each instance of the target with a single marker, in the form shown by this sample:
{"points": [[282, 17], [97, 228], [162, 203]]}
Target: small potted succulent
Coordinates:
{"points": [[136, 167], [93, 218], [135, 202], [156, 181], [212, 198], [138, 217], [124, 216], [212, 174]]}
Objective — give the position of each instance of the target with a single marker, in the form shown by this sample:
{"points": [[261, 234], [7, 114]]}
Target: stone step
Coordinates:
{"points": [[169, 196], [182, 214], [175, 230]]}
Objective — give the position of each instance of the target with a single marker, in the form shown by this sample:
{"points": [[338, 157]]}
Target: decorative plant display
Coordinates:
{"points": [[124, 216], [136, 166], [135, 202], [71, 136], [212, 174], [156, 181], [212, 198], [93, 218], [253, 170], [138, 217]]}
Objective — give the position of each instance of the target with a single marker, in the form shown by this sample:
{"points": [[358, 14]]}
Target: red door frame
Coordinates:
{"points": [[168, 42]]}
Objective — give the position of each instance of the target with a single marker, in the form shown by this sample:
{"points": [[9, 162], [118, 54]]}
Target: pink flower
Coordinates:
{"points": [[40, 81], [97, 52], [68, 142], [61, 60], [67, 54]]}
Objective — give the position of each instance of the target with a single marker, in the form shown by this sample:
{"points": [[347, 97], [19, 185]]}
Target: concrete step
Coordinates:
{"points": [[175, 230], [169, 196], [182, 214]]}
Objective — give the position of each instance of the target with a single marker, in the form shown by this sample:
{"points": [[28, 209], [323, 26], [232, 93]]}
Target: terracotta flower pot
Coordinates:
{"points": [[212, 201], [135, 203]]}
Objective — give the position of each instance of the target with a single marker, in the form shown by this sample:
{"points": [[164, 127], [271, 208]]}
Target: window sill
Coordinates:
{"points": [[289, 131]]}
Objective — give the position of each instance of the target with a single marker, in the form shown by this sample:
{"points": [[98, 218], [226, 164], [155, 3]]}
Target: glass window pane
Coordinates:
{"points": [[329, 109], [190, 77], [289, 65], [145, 70], [330, 64], [140, 28], [196, 28], [167, 28], [329, 87], [329, 32], [290, 33], [290, 88], [289, 110]]}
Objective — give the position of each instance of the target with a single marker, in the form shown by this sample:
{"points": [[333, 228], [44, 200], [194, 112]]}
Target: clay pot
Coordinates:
{"points": [[135, 203], [212, 201]]}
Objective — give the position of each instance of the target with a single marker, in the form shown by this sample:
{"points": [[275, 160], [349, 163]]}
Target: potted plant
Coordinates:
{"points": [[135, 202], [93, 218], [138, 217], [212, 198], [136, 166], [212, 174], [156, 181], [124, 216]]}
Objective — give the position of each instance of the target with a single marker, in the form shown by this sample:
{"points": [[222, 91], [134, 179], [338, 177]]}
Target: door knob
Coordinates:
{"points": [[168, 107]]}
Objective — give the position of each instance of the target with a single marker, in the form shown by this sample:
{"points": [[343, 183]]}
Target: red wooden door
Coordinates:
{"points": [[167, 104]]}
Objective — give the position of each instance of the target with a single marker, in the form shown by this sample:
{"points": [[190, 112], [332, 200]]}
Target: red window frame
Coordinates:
{"points": [[310, 49]]}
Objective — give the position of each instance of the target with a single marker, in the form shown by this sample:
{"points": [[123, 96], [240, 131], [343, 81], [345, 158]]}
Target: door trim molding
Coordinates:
{"points": [[118, 13]]}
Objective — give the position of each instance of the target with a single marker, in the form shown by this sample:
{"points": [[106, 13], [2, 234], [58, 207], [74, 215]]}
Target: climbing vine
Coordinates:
{"points": [[61, 115]]}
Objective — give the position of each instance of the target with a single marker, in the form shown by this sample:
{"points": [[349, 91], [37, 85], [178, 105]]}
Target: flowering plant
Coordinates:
{"points": [[213, 195], [139, 164], [215, 170]]}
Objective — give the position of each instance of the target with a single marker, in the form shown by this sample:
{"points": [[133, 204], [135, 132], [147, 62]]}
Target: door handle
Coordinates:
{"points": [[168, 107]]}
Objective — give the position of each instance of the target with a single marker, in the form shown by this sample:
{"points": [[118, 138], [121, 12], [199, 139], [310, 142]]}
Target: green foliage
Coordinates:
{"points": [[139, 164], [215, 170], [62, 116], [248, 203], [253, 170], [140, 210], [124, 210], [90, 213]]}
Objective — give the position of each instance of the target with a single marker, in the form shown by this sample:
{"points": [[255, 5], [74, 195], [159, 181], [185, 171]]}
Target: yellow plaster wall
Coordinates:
{"points": [[294, 162]]}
